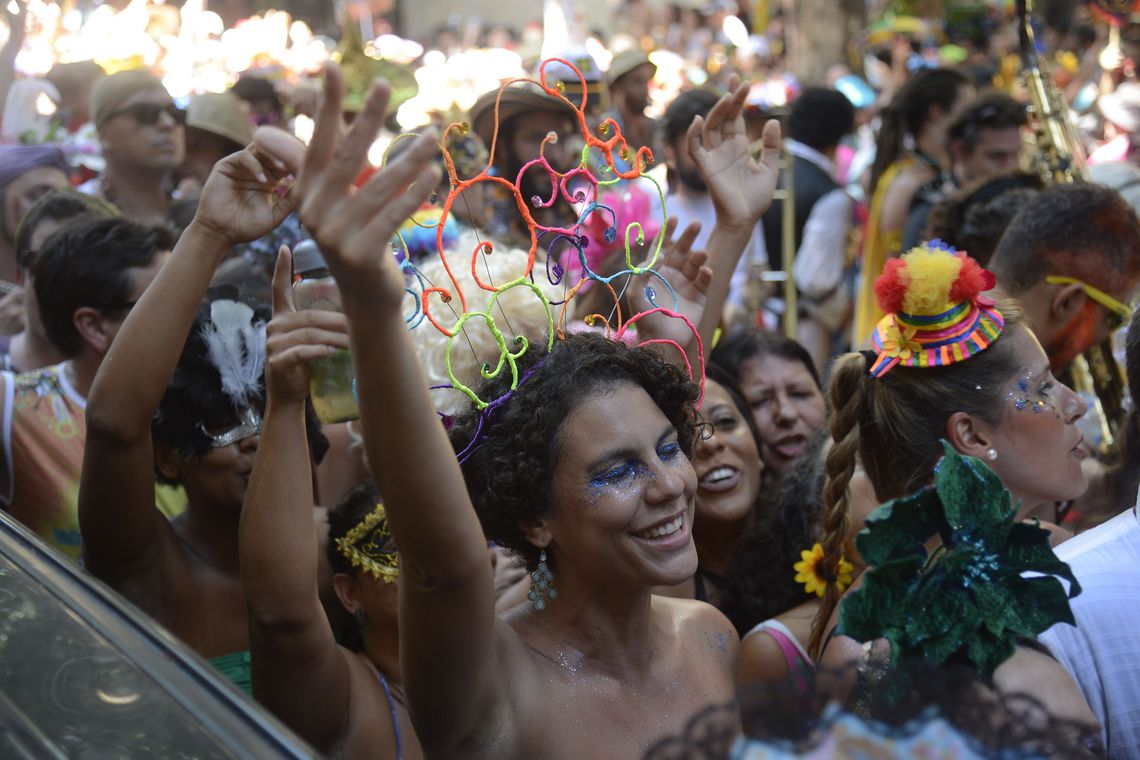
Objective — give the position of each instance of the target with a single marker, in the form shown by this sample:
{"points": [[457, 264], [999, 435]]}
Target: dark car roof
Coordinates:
{"points": [[85, 674]]}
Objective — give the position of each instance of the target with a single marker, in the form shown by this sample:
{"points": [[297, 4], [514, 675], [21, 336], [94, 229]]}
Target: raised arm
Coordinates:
{"points": [[447, 619], [116, 495], [741, 188], [299, 671]]}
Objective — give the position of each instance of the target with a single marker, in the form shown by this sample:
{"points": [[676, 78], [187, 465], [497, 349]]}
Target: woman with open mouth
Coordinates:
{"points": [[781, 384]]}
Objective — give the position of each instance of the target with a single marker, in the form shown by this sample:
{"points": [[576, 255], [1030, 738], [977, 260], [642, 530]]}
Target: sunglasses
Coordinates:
{"points": [[148, 114], [249, 424], [1120, 312]]}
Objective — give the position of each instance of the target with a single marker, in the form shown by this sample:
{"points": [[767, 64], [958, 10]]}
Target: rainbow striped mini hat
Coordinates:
{"points": [[936, 313]]}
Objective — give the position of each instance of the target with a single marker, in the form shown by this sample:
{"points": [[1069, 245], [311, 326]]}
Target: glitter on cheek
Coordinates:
{"points": [[1019, 395], [627, 485]]}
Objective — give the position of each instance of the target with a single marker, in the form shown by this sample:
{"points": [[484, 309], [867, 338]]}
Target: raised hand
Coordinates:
{"points": [[353, 227], [740, 186], [295, 338], [245, 196], [687, 271]]}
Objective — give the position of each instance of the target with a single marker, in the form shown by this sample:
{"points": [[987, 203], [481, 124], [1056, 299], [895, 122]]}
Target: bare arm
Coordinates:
{"points": [[741, 188], [299, 671], [448, 645], [120, 525]]}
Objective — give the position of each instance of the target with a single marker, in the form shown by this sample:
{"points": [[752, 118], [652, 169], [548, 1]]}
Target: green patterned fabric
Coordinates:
{"points": [[235, 668], [969, 597]]}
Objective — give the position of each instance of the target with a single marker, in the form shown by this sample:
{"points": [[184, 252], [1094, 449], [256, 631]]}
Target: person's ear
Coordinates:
{"points": [[969, 435], [167, 461], [91, 324], [1067, 302], [538, 533], [344, 586]]}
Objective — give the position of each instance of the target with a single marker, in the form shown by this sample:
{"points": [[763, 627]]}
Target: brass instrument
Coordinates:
{"points": [[757, 278], [1058, 158]]}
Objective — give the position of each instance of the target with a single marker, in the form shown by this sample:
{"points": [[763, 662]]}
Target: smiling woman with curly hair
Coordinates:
{"points": [[510, 471]]}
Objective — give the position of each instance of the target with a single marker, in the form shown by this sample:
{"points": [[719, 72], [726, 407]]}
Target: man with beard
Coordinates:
{"points": [[689, 198], [1072, 257], [526, 115], [143, 141]]}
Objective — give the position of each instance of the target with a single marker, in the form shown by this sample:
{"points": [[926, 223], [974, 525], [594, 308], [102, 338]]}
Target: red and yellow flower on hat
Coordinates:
{"points": [[936, 313], [810, 573]]}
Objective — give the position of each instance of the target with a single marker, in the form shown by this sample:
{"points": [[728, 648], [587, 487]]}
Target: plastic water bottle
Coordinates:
{"points": [[332, 381]]}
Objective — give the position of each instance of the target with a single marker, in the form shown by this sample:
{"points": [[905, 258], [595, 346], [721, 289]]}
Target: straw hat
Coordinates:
{"points": [[625, 62], [519, 98], [221, 114], [110, 91]]}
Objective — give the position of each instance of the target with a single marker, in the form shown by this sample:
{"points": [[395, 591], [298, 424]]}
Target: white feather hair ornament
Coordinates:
{"points": [[235, 345]]}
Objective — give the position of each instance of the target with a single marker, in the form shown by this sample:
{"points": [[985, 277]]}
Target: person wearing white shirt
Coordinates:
{"points": [[1102, 652]]}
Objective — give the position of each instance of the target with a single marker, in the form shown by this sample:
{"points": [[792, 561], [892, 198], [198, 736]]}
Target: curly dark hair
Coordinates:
{"points": [[762, 582], [510, 470]]}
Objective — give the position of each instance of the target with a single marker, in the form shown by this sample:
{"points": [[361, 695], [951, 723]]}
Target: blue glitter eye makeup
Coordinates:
{"points": [[1020, 395]]}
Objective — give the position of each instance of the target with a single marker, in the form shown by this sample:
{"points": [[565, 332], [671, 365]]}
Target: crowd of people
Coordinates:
{"points": [[687, 417]]}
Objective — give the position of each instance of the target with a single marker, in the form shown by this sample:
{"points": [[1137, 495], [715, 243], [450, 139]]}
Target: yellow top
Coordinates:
{"points": [[877, 248]]}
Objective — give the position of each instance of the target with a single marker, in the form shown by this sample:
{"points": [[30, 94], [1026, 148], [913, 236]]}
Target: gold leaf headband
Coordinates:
{"points": [[363, 546]]}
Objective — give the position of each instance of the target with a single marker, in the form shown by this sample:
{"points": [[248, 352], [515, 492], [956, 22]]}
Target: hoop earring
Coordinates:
{"points": [[541, 583]]}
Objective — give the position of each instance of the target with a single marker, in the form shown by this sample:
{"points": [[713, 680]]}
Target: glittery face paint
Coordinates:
{"points": [[1034, 394], [625, 478]]}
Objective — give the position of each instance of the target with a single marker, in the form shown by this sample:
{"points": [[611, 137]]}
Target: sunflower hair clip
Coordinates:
{"points": [[363, 546], [810, 572]]}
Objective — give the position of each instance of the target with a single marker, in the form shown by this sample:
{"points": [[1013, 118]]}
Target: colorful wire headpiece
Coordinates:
{"points": [[604, 161]]}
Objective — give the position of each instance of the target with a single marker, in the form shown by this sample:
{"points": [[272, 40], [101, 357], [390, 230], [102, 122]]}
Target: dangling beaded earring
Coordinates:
{"points": [[358, 618], [541, 583]]}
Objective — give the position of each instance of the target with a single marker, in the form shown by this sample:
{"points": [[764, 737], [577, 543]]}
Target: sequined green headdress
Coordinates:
{"points": [[970, 597]]}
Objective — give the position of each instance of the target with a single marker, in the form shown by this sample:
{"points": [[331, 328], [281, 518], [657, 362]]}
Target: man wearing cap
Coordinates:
{"points": [[629, 76], [143, 141], [26, 173], [216, 126], [526, 116]]}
